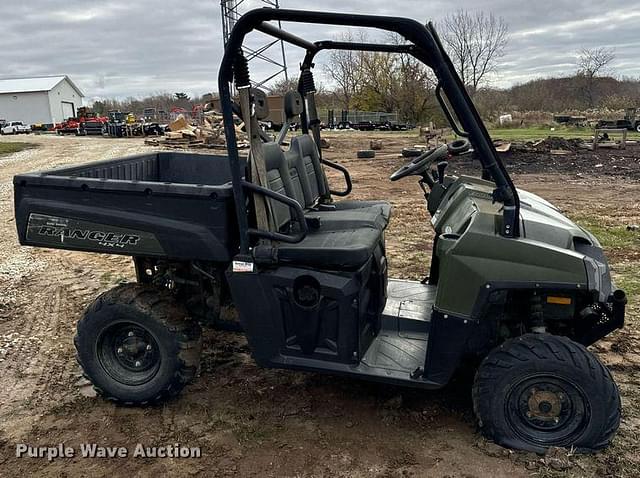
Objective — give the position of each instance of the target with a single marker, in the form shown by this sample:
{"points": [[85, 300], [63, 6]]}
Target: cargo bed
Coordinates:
{"points": [[165, 204]]}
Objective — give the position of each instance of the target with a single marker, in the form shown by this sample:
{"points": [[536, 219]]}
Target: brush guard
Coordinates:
{"points": [[603, 318]]}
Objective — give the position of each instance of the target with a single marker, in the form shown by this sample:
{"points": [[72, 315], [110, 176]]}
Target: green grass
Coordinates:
{"points": [[628, 279], [8, 148], [610, 237]]}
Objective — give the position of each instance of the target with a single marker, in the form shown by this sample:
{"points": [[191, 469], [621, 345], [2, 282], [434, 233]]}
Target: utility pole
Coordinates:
{"points": [[271, 52]]}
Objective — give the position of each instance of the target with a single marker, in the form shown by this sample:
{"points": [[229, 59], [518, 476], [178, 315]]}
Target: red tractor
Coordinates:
{"points": [[90, 122], [69, 126], [87, 122]]}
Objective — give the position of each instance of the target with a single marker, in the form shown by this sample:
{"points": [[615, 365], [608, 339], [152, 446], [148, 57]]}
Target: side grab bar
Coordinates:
{"points": [[292, 203], [345, 173], [447, 113]]}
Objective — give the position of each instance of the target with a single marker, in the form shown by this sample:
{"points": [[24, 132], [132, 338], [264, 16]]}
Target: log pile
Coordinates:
{"points": [[210, 134]]}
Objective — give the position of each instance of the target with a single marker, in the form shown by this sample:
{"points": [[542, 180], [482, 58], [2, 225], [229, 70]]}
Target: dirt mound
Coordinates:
{"points": [[555, 143], [551, 143]]}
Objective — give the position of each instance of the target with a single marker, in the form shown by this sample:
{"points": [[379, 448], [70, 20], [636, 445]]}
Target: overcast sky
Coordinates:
{"points": [[132, 48]]}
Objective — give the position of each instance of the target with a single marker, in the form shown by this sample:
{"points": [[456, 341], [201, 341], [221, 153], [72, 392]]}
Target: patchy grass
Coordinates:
{"points": [[8, 148], [111, 279], [628, 279], [621, 247], [611, 237]]}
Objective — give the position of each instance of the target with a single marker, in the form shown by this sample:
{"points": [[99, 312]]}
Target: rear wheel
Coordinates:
{"points": [[538, 391], [137, 345]]}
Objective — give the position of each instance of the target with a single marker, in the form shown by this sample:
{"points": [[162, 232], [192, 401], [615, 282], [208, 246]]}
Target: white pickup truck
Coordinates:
{"points": [[15, 127]]}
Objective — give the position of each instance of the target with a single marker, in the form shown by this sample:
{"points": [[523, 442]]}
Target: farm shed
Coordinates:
{"points": [[45, 100]]}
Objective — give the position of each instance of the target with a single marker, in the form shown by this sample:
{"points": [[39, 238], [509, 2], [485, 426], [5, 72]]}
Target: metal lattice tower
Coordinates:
{"points": [[271, 52]]}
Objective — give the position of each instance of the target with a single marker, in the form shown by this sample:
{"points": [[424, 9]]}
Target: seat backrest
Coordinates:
{"points": [[305, 148], [299, 182], [279, 179]]}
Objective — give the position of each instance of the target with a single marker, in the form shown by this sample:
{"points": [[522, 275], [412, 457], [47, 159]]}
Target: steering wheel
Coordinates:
{"points": [[422, 163]]}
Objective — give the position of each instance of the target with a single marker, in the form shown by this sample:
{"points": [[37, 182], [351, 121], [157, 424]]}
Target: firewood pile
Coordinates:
{"points": [[210, 134]]}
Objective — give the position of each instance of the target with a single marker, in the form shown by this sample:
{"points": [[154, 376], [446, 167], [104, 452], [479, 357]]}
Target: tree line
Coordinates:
{"points": [[159, 101], [398, 83]]}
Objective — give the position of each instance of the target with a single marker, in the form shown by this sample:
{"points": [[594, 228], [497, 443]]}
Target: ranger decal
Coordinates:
{"points": [[70, 233]]}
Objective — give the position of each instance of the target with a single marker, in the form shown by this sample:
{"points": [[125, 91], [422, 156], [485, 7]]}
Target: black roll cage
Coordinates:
{"points": [[424, 45]]}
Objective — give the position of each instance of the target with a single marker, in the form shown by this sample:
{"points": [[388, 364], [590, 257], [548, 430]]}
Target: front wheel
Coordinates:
{"points": [[137, 345], [538, 391]]}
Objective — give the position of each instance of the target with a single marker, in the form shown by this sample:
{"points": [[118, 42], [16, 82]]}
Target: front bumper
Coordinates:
{"points": [[607, 313], [600, 319]]}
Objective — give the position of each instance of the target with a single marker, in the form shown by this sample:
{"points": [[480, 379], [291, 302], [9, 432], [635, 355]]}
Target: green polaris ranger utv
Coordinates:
{"points": [[514, 286]]}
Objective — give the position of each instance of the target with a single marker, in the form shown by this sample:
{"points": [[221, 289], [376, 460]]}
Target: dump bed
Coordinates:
{"points": [[165, 204]]}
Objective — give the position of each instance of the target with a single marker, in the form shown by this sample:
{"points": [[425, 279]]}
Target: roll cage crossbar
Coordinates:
{"points": [[424, 45]]}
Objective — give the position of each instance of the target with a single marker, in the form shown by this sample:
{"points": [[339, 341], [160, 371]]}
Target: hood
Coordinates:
{"points": [[542, 221]]}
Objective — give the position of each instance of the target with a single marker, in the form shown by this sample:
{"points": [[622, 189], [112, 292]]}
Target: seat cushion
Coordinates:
{"points": [[350, 218], [352, 205], [344, 249]]}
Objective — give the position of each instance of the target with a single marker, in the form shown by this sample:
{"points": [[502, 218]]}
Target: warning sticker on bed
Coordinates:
{"points": [[242, 266]]}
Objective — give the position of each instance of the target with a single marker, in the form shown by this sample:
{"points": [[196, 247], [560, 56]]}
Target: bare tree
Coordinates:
{"points": [[592, 62], [283, 85], [475, 42], [345, 69], [377, 81]]}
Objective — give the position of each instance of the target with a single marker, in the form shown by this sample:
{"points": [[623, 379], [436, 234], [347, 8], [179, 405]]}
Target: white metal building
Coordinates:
{"points": [[45, 100]]}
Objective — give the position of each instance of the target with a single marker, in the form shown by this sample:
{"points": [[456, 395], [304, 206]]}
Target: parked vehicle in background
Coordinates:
{"points": [[570, 120], [89, 123], [117, 124], [91, 126], [364, 126], [152, 129], [69, 126], [15, 127], [371, 126], [151, 122], [41, 127], [150, 114], [390, 126], [631, 121]]}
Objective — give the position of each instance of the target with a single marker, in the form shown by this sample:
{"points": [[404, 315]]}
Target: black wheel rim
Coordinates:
{"points": [[547, 410], [128, 353]]}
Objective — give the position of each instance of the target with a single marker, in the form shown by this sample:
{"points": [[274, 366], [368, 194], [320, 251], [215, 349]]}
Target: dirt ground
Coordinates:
{"points": [[254, 422]]}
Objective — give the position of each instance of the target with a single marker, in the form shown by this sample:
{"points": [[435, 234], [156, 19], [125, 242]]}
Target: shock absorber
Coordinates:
{"points": [[309, 89], [537, 318], [241, 71]]}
